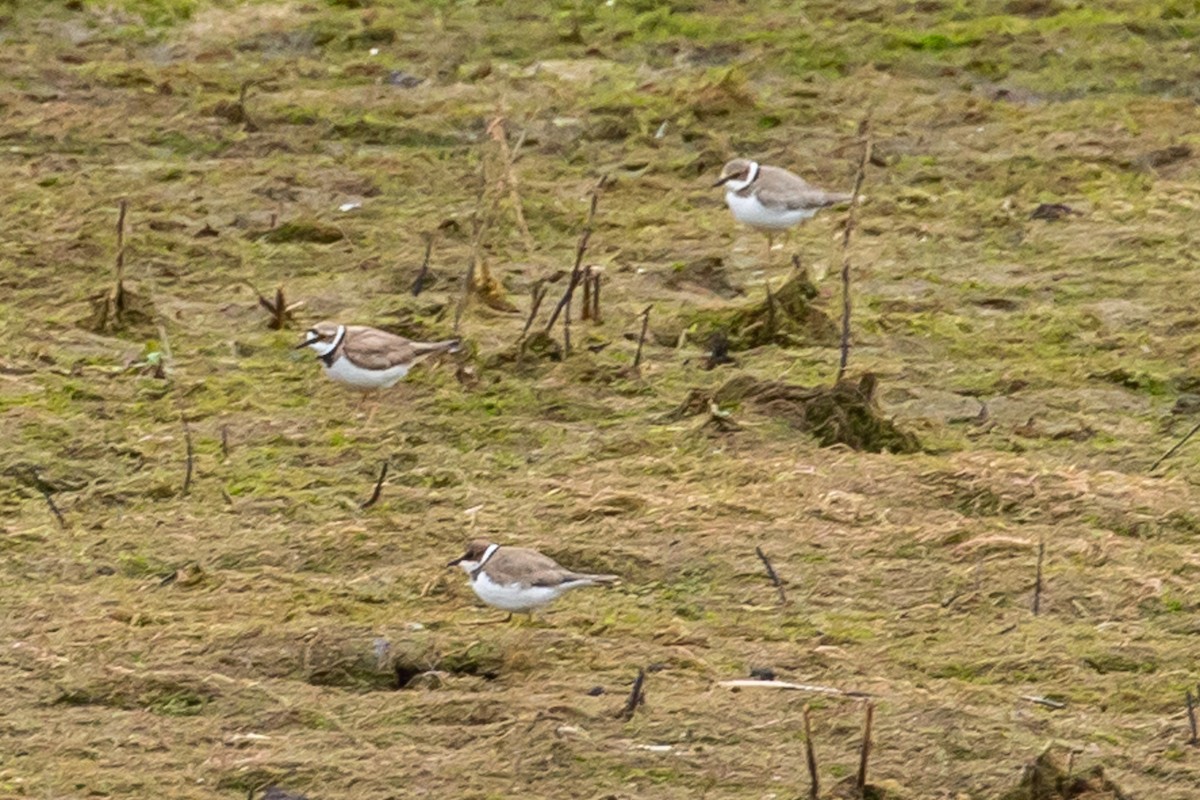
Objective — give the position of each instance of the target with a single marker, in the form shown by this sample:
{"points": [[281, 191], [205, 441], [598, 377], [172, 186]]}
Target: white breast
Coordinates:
{"points": [[514, 596], [344, 371], [749, 211]]}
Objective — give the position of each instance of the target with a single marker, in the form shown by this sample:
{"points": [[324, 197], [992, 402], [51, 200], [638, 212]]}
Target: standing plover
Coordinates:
{"points": [[367, 358], [771, 199], [517, 579]]}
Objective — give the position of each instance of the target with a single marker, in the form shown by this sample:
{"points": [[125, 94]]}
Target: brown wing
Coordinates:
{"points": [[777, 188], [558, 577], [376, 349]]}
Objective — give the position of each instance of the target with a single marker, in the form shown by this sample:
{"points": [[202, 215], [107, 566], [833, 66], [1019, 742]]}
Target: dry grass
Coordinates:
{"points": [[245, 634]]}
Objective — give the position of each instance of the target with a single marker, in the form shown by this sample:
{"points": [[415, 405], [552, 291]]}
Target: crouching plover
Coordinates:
{"points": [[367, 358], [771, 199], [517, 579]]}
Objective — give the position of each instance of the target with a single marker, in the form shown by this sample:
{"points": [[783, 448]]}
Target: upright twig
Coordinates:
{"points": [[851, 223], [508, 158], [419, 283], [243, 95], [810, 758], [596, 299], [774, 576], [166, 360], [1191, 713], [478, 225], [865, 753], [374, 498], [580, 249], [225, 442], [586, 312], [537, 294], [279, 308], [121, 248], [1178, 445], [566, 318], [637, 696], [637, 359], [187, 475], [62, 523], [1037, 583]]}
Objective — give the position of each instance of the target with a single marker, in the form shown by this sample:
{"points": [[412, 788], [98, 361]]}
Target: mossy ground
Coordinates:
{"points": [[204, 644]]}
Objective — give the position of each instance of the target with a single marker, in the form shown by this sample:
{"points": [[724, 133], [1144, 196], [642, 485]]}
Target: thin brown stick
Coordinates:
{"points": [[123, 208], [580, 249], [243, 95], [637, 696], [596, 299], [1037, 583], [538, 295], [62, 522], [566, 318], [810, 758], [637, 359], [509, 157], [851, 224], [1178, 445], [187, 475], [225, 442], [1191, 712], [586, 312], [419, 283], [374, 498], [774, 576], [478, 226], [865, 753]]}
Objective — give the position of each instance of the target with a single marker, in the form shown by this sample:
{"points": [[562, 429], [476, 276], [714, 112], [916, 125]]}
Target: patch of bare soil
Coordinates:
{"points": [[845, 413]]}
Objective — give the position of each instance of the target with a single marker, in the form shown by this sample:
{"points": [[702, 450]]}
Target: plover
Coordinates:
{"points": [[518, 579], [771, 199], [367, 358]]}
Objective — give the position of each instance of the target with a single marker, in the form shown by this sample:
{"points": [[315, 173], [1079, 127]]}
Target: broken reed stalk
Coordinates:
{"points": [[580, 249], [478, 224], [637, 359], [62, 523], [225, 442], [1191, 709], [243, 94], [637, 695], [374, 498], [865, 753], [1037, 582], [279, 308], [596, 299], [774, 576], [114, 301], [191, 455], [538, 295], [419, 283], [851, 223], [810, 758], [508, 157], [586, 311], [566, 317], [1178, 445]]}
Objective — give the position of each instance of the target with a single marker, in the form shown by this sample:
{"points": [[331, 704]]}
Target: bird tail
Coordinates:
{"points": [[607, 579], [836, 198], [429, 348]]}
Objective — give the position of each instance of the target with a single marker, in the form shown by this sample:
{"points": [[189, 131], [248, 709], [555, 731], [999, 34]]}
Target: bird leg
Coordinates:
{"points": [[770, 245]]}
